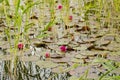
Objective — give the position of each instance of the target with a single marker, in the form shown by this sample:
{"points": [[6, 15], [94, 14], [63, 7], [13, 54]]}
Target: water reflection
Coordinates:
{"points": [[27, 71]]}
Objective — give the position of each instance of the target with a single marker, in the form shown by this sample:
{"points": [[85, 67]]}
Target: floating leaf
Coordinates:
{"points": [[114, 57], [109, 37], [59, 69], [61, 60], [63, 41], [77, 60], [87, 40], [79, 56], [46, 64], [29, 58], [80, 48], [79, 70], [84, 47], [57, 55], [89, 53], [102, 43]]}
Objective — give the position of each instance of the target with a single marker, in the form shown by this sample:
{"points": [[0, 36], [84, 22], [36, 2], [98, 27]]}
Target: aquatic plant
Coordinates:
{"points": [[63, 48], [47, 55]]}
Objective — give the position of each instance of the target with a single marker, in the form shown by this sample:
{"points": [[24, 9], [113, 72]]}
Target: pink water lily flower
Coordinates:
{"points": [[59, 7], [70, 17], [63, 48], [20, 46], [47, 55]]}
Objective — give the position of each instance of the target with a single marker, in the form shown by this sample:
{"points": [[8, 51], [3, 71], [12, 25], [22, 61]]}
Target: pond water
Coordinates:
{"points": [[28, 71], [81, 39]]}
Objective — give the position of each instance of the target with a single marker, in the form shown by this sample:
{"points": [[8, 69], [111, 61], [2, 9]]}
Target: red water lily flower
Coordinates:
{"points": [[63, 48], [59, 7], [70, 17], [47, 55], [20, 46]]}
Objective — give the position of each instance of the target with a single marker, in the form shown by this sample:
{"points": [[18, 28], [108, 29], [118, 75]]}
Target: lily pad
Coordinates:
{"points": [[114, 46], [53, 47], [102, 42], [61, 60], [89, 53], [57, 55], [109, 37], [29, 58], [59, 69], [63, 41], [80, 48], [46, 64], [83, 47], [79, 56], [87, 40], [79, 70], [75, 60], [114, 57]]}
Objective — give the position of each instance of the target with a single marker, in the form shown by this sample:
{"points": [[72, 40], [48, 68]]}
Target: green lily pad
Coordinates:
{"points": [[57, 55], [109, 37], [80, 48], [86, 40], [46, 64], [61, 60], [79, 56], [29, 58], [59, 69], [89, 53], [102, 42], [63, 41], [83, 47], [75, 60]]}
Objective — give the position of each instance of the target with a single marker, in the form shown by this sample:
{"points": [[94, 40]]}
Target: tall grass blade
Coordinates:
{"points": [[29, 6], [49, 25]]}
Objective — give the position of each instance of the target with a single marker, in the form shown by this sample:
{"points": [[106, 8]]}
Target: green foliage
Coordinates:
{"points": [[90, 8], [48, 25], [17, 7], [84, 77], [107, 64], [7, 2], [30, 6], [1, 1], [42, 35], [116, 5], [28, 26], [105, 74]]}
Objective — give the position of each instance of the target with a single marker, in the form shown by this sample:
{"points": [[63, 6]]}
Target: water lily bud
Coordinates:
{"points": [[63, 48], [59, 7], [47, 55], [20, 46], [70, 17]]}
